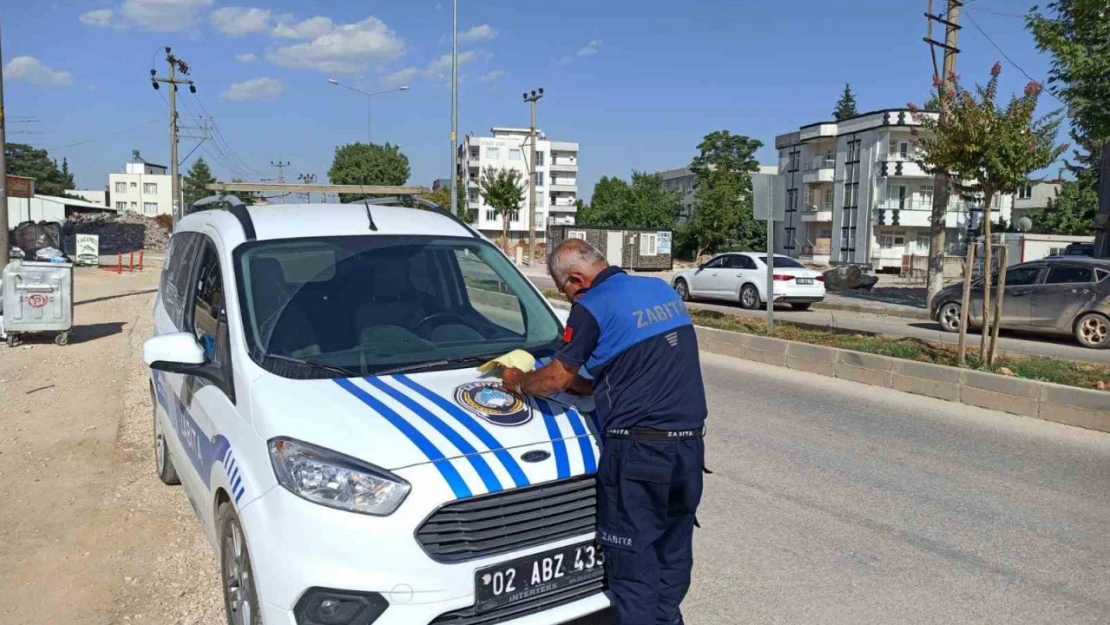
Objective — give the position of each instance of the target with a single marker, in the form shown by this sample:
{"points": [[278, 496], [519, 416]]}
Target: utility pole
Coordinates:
{"points": [[455, 108], [176, 66], [4, 244], [941, 183], [532, 99], [307, 179], [281, 175]]}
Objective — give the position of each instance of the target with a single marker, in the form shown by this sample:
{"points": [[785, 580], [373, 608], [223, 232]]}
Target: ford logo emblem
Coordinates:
{"points": [[537, 455]]}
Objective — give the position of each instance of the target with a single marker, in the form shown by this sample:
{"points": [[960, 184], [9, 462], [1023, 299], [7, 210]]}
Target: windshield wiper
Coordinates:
{"points": [[432, 364], [343, 371]]}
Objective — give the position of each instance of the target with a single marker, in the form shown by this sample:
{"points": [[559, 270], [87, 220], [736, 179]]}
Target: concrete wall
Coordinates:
{"points": [[34, 209]]}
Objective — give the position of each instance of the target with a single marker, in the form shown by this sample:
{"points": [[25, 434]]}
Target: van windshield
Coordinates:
{"points": [[365, 305]]}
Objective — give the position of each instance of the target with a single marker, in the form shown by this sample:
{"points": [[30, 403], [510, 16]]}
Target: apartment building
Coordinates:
{"points": [[143, 187], [681, 181], [855, 194], [1034, 196], [556, 171]]}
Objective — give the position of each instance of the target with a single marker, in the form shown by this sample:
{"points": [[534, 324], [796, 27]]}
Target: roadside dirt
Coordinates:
{"points": [[87, 532]]}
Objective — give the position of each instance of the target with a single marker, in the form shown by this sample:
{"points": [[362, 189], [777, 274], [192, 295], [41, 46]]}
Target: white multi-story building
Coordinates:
{"points": [[855, 194], [100, 198], [142, 187], [683, 182], [556, 178]]}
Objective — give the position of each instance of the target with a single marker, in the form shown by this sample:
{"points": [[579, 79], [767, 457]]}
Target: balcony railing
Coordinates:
{"points": [[818, 207], [827, 161], [925, 204], [911, 156], [823, 247]]}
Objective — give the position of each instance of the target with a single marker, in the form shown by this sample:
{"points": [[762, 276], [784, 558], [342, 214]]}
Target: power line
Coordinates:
{"points": [[109, 135], [999, 13], [1007, 57]]}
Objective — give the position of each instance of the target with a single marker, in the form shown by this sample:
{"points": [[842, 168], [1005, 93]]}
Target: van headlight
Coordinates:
{"points": [[332, 479]]}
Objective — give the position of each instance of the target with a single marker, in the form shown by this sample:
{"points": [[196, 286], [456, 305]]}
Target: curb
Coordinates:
{"points": [[871, 310], [1040, 400]]}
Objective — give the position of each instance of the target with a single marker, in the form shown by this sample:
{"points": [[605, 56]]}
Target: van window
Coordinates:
{"points": [[209, 308], [174, 286], [384, 302]]}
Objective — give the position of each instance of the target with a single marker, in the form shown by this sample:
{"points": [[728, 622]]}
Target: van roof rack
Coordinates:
{"points": [[413, 201], [230, 203]]}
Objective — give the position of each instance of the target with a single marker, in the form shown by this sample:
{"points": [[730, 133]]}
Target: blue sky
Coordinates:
{"points": [[638, 83]]}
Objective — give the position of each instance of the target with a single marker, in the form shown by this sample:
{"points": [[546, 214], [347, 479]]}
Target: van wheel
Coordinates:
{"points": [[749, 297], [240, 597], [163, 463], [1093, 331]]}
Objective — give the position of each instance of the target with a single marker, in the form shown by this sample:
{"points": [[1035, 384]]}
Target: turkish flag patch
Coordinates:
{"points": [[568, 334]]}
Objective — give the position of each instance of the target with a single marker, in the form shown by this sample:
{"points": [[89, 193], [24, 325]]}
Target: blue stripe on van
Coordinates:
{"points": [[470, 423], [464, 446], [584, 443], [562, 459], [446, 469]]}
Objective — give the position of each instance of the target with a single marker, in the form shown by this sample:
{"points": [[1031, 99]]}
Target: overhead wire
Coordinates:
{"points": [[1007, 57]]}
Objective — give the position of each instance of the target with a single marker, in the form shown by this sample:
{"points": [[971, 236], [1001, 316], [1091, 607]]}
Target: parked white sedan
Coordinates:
{"points": [[742, 277]]}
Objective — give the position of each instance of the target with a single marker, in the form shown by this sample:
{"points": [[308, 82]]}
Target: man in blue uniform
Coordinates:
{"points": [[635, 338]]}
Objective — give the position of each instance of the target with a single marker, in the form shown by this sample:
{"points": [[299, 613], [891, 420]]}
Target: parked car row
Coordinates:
{"points": [[1059, 295], [742, 277]]}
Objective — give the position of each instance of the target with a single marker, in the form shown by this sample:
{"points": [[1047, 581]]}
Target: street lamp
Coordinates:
{"points": [[369, 119]]}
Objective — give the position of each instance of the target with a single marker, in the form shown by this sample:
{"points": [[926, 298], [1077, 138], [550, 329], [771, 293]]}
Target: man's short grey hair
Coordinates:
{"points": [[573, 254]]}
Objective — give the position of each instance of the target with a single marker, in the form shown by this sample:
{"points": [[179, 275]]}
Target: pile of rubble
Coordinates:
{"points": [[849, 278], [128, 232]]}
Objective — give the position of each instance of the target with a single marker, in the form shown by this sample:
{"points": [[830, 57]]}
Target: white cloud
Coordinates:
{"points": [[240, 21], [310, 28], [36, 72], [589, 49], [100, 18], [163, 15], [491, 76], [348, 48], [485, 32], [246, 57], [254, 89], [400, 77], [441, 67]]}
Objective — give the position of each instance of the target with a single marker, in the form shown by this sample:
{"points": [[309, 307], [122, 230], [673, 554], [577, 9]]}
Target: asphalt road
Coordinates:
{"points": [[834, 502], [1018, 343]]}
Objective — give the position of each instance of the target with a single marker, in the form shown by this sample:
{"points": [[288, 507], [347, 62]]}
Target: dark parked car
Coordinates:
{"points": [[1059, 295]]}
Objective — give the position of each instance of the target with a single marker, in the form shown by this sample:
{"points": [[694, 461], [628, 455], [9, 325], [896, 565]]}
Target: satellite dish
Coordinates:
{"points": [[1024, 224]]}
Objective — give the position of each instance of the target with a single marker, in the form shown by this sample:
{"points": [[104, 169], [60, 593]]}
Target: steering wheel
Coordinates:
{"points": [[435, 317]]}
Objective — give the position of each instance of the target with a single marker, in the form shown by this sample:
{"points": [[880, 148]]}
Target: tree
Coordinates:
{"points": [[932, 105], [987, 150], [196, 181], [1076, 33], [442, 196], [653, 206], [723, 194], [1072, 211], [27, 161], [610, 204], [846, 106], [503, 191], [368, 164]]}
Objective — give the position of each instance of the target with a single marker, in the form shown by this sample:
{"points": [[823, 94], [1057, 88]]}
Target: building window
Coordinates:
{"points": [[150, 188], [134, 206], [514, 155], [648, 244], [472, 195], [576, 234], [121, 206], [1025, 192], [121, 187], [515, 216], [473, 154], [135, 185], [539, 179], [493, 153], [539, 159], [150, 208]]}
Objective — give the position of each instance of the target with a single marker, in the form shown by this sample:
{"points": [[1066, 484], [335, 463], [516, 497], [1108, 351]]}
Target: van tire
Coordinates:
{"points": [[241, 603], [163, 461]]}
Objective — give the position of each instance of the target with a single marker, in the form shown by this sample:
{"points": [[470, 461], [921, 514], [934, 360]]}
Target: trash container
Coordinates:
{"points": [[38, 297]]}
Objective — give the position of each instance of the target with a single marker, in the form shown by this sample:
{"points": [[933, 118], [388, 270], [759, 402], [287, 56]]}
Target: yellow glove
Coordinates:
{"points": [[516, 359]]}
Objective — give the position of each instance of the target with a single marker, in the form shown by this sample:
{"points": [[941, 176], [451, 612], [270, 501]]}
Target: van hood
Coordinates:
{"points": [[445, 418]]}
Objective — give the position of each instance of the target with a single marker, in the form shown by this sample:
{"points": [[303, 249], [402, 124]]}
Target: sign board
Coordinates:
{"points": [[663, 243], [88, 249], [768, 196], [18, 186]]}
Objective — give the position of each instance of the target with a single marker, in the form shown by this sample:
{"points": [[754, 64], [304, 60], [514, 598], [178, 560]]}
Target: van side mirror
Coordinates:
{"points": [[179, 352]]}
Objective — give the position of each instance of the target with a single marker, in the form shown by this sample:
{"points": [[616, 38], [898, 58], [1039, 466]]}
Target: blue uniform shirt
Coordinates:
{"points": [[635, 337]]}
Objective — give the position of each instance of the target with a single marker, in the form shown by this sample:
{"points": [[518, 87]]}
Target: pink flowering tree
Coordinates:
{"points": [[987, 149]]}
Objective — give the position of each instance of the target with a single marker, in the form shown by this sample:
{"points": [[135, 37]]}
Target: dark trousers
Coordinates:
{"points": [[648, 492]]}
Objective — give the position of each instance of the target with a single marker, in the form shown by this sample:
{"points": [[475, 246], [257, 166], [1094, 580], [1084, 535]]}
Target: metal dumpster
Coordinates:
{"points": [[38, 297]]}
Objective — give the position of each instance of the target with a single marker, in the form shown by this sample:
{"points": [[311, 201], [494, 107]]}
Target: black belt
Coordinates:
{"points": [[650, 434]]}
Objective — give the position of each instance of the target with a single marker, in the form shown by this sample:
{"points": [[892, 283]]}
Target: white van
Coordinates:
{"points": [[315, 391]]}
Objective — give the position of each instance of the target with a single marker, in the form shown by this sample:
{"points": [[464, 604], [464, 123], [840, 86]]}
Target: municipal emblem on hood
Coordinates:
{"points": [[492, 402]]}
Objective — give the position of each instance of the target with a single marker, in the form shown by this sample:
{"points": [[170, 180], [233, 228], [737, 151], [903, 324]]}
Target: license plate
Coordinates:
{"points": [[805, 280], [526, 578]]}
